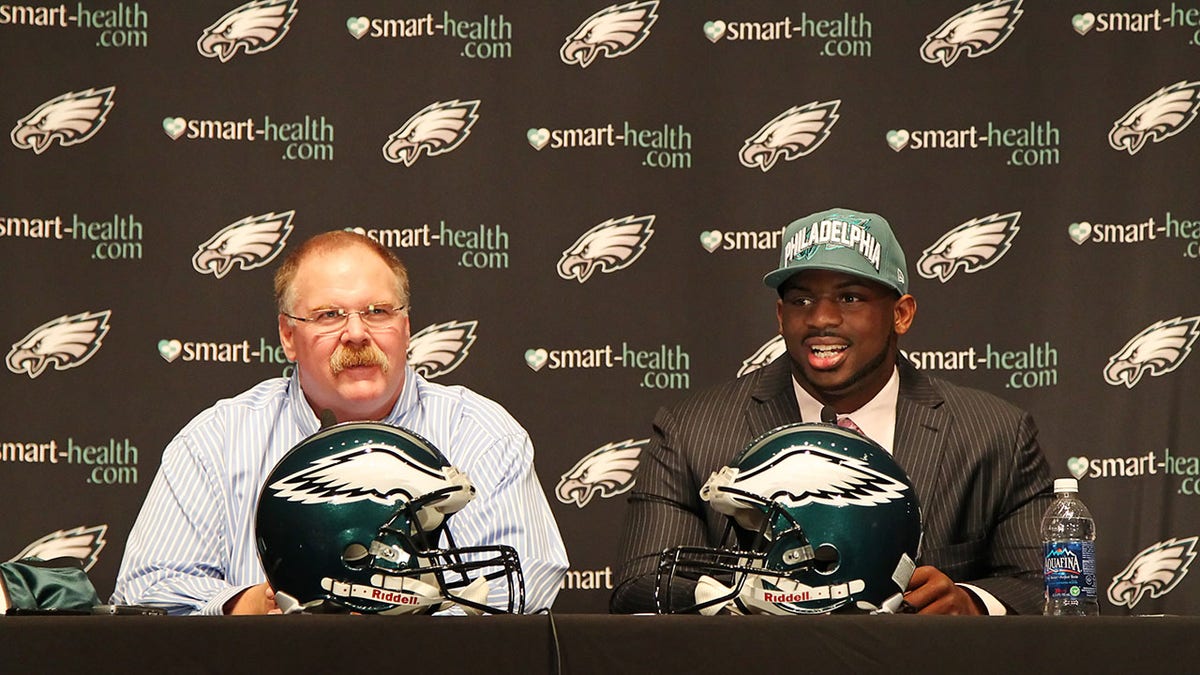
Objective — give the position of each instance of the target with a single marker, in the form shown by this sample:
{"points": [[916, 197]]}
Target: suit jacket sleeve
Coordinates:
{"points": [[689, 441], [1014, 556], [664, 511]]}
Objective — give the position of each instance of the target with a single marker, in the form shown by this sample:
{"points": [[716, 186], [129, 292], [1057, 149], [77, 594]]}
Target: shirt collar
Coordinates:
{"points": [[877, 418]]}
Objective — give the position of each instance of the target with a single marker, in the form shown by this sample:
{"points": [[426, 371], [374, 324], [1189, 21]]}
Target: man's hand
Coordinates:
{"points": [[931, 592], [258, 599]]}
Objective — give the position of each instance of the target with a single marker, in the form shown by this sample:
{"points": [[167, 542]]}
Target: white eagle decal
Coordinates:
{"points": [[1163, 114], [438, 128], [794, 133], [83, 543], [1156, 570], [65, 342], [610, 246], [613, 31], [378, 473], [251, 242], [975, 245], [606, 471], [440, 348], [71, 118], [771, 350], [1157, 350], [975, 31], [800, 475], [254, 27]]}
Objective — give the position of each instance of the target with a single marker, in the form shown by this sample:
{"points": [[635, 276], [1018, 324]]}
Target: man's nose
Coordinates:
{"points": [[355, 329], [825, 312]]}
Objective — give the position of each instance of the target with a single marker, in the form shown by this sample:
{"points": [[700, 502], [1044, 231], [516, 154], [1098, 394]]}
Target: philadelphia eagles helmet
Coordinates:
{"points": [[354, 518], [821, 519]]}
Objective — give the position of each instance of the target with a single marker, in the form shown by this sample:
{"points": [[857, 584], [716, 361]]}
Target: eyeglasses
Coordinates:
{"points": [[335, 318]]}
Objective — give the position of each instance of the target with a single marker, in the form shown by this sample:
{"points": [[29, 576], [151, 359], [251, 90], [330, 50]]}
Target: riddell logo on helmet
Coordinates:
{"points": [[787, 597], [394, 597]]}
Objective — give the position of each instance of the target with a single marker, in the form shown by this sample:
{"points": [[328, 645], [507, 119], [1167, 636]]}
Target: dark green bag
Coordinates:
{"points": [[35, 584]]}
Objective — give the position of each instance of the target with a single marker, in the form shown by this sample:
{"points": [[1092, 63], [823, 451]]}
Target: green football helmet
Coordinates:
{"points": [[822, 520], [354, 518]]}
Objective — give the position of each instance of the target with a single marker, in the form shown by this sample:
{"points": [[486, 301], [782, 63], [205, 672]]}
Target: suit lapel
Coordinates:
{"points": [[921, 423], [773, 400]]}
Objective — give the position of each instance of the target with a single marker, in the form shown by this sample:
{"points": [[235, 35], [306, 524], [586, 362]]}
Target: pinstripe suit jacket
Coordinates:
{"points": [[974, 460]]}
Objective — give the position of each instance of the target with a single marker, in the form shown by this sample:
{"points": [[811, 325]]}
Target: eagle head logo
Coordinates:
{"points": [[71, 118], [1157, 350], [975, 245], [436, 129], [251, 242], [254, 27], [796, 132], [1163, 114], [382, 474], [975, 31], [610, 246], [82, 543], [613, 31], [771, 350], [1156, 570], [440, 348], [65, 342], [607, 472], [799, 475]]}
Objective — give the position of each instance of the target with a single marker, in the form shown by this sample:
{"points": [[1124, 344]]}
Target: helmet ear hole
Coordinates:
{"points": [[356, 555], [826, 559]]}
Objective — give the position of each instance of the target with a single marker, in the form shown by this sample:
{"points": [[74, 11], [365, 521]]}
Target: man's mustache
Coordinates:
{"points": [[351, 356]]}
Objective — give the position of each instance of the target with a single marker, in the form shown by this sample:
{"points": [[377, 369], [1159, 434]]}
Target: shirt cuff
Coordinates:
{"points": [[216, 606], [991, 605]]}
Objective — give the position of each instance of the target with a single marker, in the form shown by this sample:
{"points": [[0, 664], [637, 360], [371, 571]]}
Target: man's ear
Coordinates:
{"points": [[286, 337], [904, 312]]}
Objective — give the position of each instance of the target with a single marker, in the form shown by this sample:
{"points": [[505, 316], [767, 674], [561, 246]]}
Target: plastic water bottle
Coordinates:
{"points": [[1069, 540]]}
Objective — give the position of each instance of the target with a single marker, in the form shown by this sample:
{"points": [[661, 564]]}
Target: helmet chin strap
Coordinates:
{"points": [[754, 598], [288, 604], [890, 605], [709, 590], [408, 595], [476, 592]]}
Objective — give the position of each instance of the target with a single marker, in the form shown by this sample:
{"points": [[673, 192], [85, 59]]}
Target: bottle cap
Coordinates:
{"points": [[1065, 485]]}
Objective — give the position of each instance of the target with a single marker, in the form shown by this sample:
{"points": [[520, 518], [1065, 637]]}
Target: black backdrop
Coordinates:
{"points": [[1058, 293]]}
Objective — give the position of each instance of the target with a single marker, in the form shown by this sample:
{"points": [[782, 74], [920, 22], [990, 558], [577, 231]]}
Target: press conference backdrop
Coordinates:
{"points": [[587, 196]]}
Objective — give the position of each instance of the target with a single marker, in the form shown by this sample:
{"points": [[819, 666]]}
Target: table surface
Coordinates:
{"points": [[595, 643]]}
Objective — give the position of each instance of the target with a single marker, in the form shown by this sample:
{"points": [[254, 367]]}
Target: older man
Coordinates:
{"points": [[974, 459], [343, 318]]}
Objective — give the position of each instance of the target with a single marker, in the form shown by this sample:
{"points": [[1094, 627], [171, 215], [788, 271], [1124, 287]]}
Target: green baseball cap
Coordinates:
{"points": [[842, 240]]}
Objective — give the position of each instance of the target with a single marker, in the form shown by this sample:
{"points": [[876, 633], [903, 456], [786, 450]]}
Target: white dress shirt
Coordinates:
{"points": [[192, 547]]}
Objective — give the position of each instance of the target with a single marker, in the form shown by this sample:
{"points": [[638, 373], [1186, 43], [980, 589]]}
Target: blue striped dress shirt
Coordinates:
{"points": [[192, 547]]}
